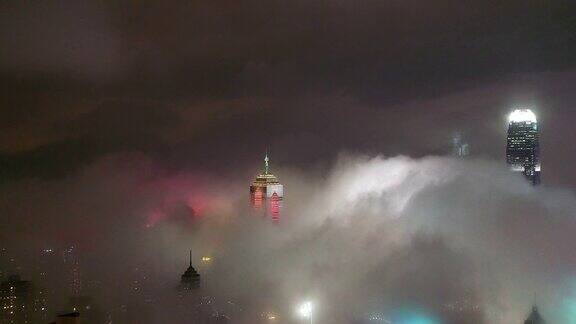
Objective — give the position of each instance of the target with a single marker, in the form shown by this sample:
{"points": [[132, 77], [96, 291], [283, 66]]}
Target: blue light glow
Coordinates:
{"points": [[414, 316]]}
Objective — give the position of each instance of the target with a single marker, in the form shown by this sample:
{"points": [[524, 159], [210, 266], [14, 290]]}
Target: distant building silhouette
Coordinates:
{"points": [[71, 259], [522, 147], [534, 317], [459, 147], [91, 312], [21, 302], [190, 280], [68, 318], [462, 310]]}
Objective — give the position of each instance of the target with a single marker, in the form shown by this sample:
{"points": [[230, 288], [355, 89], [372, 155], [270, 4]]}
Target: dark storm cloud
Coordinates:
{"points": [[345, 43], [62, 38], [370, 75]]}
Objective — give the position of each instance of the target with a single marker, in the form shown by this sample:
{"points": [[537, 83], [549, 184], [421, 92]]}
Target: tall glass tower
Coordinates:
{"points": [[522, 148]]}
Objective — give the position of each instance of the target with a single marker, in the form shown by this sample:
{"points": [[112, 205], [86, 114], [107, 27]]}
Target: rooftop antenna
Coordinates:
{"points": [[190, 257], [266, 160]]}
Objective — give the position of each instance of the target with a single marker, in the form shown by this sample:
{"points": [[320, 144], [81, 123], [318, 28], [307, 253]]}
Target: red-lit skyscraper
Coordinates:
{"points": [[266, 192]]}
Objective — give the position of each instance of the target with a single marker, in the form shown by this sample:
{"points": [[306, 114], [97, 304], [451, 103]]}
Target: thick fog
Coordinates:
{"points": [[436, 239]]}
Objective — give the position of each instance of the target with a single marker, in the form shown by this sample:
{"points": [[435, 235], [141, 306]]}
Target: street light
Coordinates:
{"points": [[206, 259], [305, 310]]}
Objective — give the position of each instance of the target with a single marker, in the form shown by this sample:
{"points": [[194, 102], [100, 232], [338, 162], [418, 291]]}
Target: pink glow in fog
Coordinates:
{"points": [[183, 196]]}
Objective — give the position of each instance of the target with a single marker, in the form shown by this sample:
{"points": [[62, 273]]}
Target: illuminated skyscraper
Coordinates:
{"points": [[267, 190], [71, 258], [21, 302], [522, 148]]}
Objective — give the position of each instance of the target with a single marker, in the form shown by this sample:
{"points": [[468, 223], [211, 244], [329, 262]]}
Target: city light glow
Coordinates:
{"points": [[414, 316], [522, 115], [305, 309]]}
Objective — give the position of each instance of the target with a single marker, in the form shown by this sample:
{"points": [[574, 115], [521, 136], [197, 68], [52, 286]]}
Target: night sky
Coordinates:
{"points": [[200, 84]]}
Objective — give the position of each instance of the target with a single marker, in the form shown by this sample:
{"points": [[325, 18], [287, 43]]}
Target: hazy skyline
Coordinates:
{"points": [[133, 130], [375, 235]]}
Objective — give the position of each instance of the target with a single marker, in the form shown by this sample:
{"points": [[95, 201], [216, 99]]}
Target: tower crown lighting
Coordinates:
{"points": [[522, 115]]}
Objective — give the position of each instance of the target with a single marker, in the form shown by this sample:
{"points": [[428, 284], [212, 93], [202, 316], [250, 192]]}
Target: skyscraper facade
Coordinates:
{"points": [[267, 193], [21, 302], [522, 148]]}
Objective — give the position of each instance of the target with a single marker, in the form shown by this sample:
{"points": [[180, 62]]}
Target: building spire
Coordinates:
{"points": [[266, 160], [190, 257]]}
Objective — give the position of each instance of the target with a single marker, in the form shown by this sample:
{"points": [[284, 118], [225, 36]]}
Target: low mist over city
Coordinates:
{"points": [[314, 162]]}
